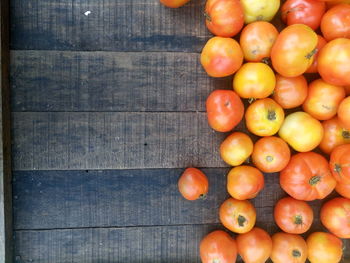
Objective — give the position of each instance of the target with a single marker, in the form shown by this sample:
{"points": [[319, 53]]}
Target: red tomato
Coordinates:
{"points": [[174, 3], [193, 184], [221, 57], [344, 112], [343, 188], [334, 135], [320, 44], [218, 246], [335, 216], [340, 163], [307, 12], [336, 22], [307, 177], [225, 110], [224, 18], [324, 248]]}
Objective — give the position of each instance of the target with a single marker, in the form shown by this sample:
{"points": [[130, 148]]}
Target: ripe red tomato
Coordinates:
{"points": [[254, 246], [324, 248], [290, 92], [225, 110], [288, 248], [344, 112], [224, 18], [320, 44], [335, 216], [340, 163], [244, 182], [271, 154], [336, 22], [221, 57], [236, 148], [293, 216], [307, 12], [193, 184], [174, 3], [239, 216], [307, 177], [334, 135], [218, 246]]}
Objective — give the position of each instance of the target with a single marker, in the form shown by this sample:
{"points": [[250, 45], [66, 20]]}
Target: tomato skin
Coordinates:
{"points": [[307, 12], [225, 110], [236, 148], [340, 163], [343, 188], [239, 216], [264, 117], [344, 112], [193, 184], [254, 246], [335, 216], [293, 216], [221, 57], [288, 248], [294, 50], [336, 22], [320, 44], [334, 135], [256, 40], [290, 92], [347, 90], [244, 182], [259, 10], [307, 177], [218, 245], [324, 248], [174, 3], [332, 3]]}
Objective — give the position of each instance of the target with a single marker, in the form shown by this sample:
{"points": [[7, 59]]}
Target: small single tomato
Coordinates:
{"points": [[244, 182], [259, 10], [236, 148], [174, 3], [320, 44], [344, 112], [343, 188], [221, 57], [336, 22], [324, 248], [225, 110], [239, 216], [340, 163], [193, 184], [334, 135]]}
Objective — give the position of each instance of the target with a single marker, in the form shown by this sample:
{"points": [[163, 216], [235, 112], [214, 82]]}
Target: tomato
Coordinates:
{"points": [[323, 99], [236, 148], [307, 12], [224, 18], [344, 112], [174, 3], [244, 182], [343, 188], [218, 246], [259, 10], [336, 22], [335, 216], [254, 80], [264, 117], [324, 248], [193, 184], [293, 216], [320, 44], [254, 246], [334, 62], [334, 135], [307, 177], [225, 110], [256, 40], [301, 131], [271, 154], [290, 92], [221, 57], [340, 163], [288, 248], [332, 3], [239, 216]]}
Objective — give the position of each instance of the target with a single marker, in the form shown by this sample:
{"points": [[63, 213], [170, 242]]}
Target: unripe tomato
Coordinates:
{"points": [[193, 184], [324, 248], [343, 188], [335, 134], [340, 163], [344, 112], [259, 10], [320, 44], [336, 22], [174, 3], [236, 148]]}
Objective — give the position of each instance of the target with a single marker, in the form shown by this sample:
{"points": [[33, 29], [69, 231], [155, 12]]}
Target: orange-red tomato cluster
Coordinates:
{"points": [[270, 70]]}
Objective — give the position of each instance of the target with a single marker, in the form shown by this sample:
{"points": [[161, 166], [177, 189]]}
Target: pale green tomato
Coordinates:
{"points": [[258, 10]]}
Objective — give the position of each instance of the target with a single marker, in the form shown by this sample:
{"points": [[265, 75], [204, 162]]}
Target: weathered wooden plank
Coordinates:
{"points": [[109, 81]]}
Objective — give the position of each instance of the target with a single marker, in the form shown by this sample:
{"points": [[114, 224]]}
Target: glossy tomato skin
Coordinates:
{"points": [[307, 12], [334, 62], [294, 50], [174, 3], [218, 245], [320, 44], [236, 148], [239, 216], [290, 92], [264, 117], [259, 10], [288, 248], [271, 154], [293, 216], [225, 110], [244, 182], [339, 163], [344, 112], [221, 57], [224, 18], [343, 188], [256, 40], [324, 248], [254, 246], [335, 216], [336, 22], [335, 134], [193, 184], [301, 131], [307, 177]]}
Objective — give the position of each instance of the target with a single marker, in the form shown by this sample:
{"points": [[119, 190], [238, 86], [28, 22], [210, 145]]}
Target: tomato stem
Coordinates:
{"points": [[346, 134], [207, 16], [310, 55], [269, 158], [241, 220], [298, 220], [337, 168], [271, 115], [296, 253], [314, 180]]}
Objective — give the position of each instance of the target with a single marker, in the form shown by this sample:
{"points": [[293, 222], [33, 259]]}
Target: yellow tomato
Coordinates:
{"points": [[259, 10], [236, 148]]}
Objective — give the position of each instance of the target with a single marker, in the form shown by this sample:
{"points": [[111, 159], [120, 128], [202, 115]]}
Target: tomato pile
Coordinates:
{"points": [[290, 116]]}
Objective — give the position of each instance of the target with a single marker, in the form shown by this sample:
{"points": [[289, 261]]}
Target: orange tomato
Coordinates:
{"points": [[332, 3], [221, 57], [334, 135], [324, 248], [236, 148], [344, 112], [193, 184], [340, 163], [239, 216], [244, 182], [336, 22], [174, 3], [320, 44], [343, 188]]}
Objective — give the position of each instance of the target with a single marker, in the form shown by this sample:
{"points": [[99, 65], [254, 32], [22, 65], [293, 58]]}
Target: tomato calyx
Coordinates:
{"points": [[202, 196], [271, 115], [337, 168], [207, 16], [269, 158], [296, 253], [314, 180], [346, 134], [311, 54], [241, 220], [298, 220], [266, 60]]}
